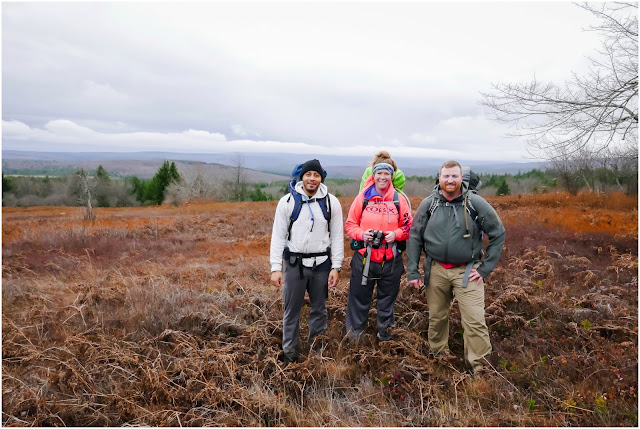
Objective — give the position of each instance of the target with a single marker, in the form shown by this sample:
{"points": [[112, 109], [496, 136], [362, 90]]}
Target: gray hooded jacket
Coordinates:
{"points": [[444, 230]]}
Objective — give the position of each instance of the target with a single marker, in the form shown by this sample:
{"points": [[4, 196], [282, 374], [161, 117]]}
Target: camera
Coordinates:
{"points": [[378, 236]]}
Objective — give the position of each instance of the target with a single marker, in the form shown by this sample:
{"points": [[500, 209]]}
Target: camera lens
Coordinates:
{"points": [[377, 238]]}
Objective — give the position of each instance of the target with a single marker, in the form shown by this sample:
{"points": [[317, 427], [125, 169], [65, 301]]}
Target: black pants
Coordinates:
{"points": [[387, 279]]}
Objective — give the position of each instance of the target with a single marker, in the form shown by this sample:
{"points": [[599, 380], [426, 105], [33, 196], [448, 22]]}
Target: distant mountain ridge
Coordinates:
{"points": [[53, 164], [277, 164]]}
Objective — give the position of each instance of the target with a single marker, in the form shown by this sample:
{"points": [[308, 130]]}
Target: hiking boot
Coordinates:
{"points": [[287, 359], [444, 356], [384, 336], [481, 371], [319, 342], [354, 337]]}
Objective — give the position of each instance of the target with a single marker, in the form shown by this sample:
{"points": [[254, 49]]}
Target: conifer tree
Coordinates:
{"points": [[503, 189], [156, 188], [8, 184], [103, 185]]}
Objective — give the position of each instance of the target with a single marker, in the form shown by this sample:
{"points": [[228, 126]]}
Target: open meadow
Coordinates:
{"points": [[165, 316]]}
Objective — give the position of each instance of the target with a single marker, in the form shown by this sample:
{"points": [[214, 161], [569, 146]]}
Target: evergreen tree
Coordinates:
{"points": [[173, 173], [503, 189], [156, 188], [259, 195], [103, 185], [8, 184], [8, 187], [101, 174], [138, 186]]}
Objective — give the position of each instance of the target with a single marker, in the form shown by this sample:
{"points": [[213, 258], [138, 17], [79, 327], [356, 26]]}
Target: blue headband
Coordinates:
{"points": [[383, 166]]}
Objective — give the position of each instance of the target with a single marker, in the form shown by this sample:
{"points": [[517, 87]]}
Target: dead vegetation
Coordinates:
{"points": [[165, 317]]}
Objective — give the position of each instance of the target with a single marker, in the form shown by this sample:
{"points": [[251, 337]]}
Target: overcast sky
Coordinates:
{"points": [[306, 77]]}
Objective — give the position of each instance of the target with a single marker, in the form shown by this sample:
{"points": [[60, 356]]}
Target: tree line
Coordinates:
{"points": [[170, 187], [96, 189]]}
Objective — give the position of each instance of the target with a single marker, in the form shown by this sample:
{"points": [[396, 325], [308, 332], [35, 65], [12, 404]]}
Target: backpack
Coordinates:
{"points": [[470, 183], [324, 202]]}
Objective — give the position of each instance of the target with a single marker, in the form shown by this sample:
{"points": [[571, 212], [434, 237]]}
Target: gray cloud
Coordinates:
{"points": [[306, 78]]}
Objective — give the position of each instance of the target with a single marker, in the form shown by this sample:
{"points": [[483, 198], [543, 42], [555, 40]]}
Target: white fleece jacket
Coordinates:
{"points": [[307, 235]]}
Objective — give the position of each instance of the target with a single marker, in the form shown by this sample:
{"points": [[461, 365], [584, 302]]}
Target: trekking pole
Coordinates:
{"points": [[365, 270]]}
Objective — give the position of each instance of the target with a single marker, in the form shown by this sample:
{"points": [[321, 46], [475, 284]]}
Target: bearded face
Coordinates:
{"points": [[311, 181], [450, 181]]}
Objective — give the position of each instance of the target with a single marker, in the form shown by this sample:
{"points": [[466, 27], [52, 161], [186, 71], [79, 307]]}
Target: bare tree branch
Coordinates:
{"points": [[588, 112]]}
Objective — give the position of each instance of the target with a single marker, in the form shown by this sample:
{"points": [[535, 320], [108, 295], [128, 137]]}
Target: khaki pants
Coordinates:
{"points": [[443, 284]]}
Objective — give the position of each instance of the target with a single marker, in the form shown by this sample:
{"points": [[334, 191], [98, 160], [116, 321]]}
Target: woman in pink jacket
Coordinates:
{"points": [[379, 222]]}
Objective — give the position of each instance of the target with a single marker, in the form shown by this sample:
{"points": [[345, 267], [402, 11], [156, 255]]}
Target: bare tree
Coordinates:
{"points": [[82, 189], [237, 188], [587, 112], [622, 163]]}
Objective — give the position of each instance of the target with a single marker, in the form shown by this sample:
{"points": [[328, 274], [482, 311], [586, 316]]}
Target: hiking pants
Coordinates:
{"points": [[387, 279], [293, 291], [443, 285]]}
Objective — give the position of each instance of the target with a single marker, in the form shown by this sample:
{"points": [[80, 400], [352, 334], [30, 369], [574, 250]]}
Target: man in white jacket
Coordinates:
{"points": [[312, 246]]}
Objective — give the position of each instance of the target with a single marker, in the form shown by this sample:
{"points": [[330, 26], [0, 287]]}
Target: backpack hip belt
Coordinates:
{"points": [[465, 278], [295, 258]]}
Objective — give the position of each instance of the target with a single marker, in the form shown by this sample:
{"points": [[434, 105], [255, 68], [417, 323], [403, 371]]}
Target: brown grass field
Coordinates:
{"points": [[164, 316]]}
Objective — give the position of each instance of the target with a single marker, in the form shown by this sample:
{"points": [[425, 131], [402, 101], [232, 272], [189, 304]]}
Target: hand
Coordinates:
{"points": [[276, 278], [417, 283], [334, 275], [390, 236], [475, 275], [367, 236]]}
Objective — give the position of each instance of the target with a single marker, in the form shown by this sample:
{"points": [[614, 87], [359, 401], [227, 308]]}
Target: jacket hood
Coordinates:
{"points": [[371, 182], [320, 193]]}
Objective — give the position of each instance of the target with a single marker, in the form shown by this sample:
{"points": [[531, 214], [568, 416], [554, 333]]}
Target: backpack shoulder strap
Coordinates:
{"points": [[324, 203], [325, 206], [365, 202], [328, 216], [471, 209], [396, 202], [435, 202], [432, 207], [297, 207]]}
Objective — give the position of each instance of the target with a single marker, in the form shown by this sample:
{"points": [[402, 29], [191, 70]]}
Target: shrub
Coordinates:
{"points": [[259, 195]]}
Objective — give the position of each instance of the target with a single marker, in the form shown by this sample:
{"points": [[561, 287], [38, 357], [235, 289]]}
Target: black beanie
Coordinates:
{"points": [[312, 165]]}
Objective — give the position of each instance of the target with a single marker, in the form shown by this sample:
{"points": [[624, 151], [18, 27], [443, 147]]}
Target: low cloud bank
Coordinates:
{"points": [[64, 135]]}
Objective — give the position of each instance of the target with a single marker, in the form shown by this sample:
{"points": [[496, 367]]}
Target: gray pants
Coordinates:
{"points": [[387, 279], [293, 291]]}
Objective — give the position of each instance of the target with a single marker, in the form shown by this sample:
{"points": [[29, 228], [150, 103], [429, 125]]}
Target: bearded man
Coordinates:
{"points": [[448, 227]]}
